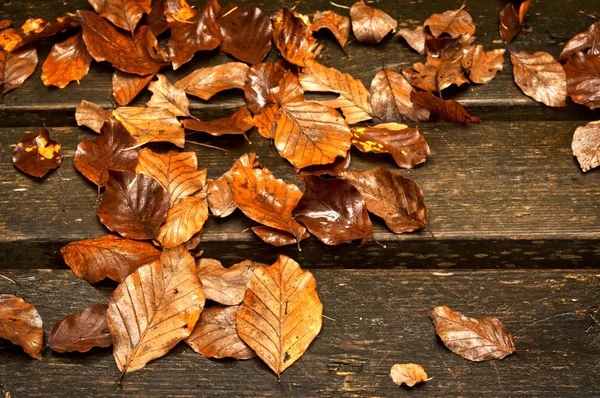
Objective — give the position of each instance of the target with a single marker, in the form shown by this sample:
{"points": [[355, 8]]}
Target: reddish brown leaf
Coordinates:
{"points": [[184, 220], [215, 336], [447, 110], [586, 145], [406, 145], [21, 324], [126, 86], [81, 331], [481, 65], [110, 151], [206, 82], [408, 373], [333, 169], [151, 124], [415, 38], [583, 79], [369, 24], [334, 211], [390, 99], [139, 53], [134, 206], [335, 23], [156, 18], [15, 68], [540, 77], [396, 199], [68, 61], [36, 153], [261, 79], [167, 96], [454, 23], [91, 115], [108, 256], [588, 40], [523, 8], [276, 237], [123, 13], [225, 285], [509, 23], [34, 30], [5, 23], [238, 123], [473, 339], [294, 39], [246, 33]]}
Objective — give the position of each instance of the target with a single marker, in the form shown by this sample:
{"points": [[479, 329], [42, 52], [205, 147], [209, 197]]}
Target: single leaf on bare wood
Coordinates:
{"points": [[369, 24], [509, 22], [225, 285], [583, 79], [81, 331], [151, 124], [34, 30], [540, 77], [335, 23], [281, 313], [261, 79], [396, 199], [16, 67], [68, 61], [138, 53], [155, 308], [36, 153], [390, 99], [123, 13], [415, 38], [586, 146], [184, 220], [246, 33], [126, 86], [215, 335], [177, 172], [238, 123], [454, 23], [405, 144], [294, 39], [481, 65], [473, 339], [108, 256], [277, 237], [408, 373], [91, 115], [167, 96], [110, 151], [206, 82], [447, 110], [21, 324], [588, 40], [134, 206]]}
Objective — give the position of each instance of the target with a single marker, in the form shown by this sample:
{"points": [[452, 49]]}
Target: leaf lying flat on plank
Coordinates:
{"points": [[277, 237], [226, 286], [454, 23], [369, 24], [126, 86], [294, 39], [81, 331], [540, 77], [246, 33], [68, 61], [415, 38], [238, 123], [261, 79], [390, 99], [21, 324], [586, 145], [184, 220], [151, 124], [206, 82], [123, 13], [167, 96], [583, 79], [91, 115], [16, 67], [481, 65], [34, 30], [36, 153], [408, 373], [447, 110]]}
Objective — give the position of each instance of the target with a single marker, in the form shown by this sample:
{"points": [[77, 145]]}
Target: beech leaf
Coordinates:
{"points": [[206, 82], [34, 30], [540, 77], [167, 96], [277, 237], [415, 38], [586, 145], [294, 39], [238, 123], [370, 24], [126, 86], [16, 67], [91, 115], [583, 79], [151, 124], [408, 373], [123, 13], [21, 324], [184, 220], [246, 33], [447, 110], [81, 331], [36, 153], [226, 286], [68, 61], [481, 65], [454, 23], [390, 99], [510, 25], [261, 79], [335, 23], [587, 40]]}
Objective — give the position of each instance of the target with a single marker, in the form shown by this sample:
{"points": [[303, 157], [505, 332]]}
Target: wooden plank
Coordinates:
{"points": [[380, 319], [552, 26]]}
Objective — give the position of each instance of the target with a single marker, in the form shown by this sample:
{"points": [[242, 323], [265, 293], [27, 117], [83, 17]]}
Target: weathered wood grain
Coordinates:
{"points": [[380, 318]]}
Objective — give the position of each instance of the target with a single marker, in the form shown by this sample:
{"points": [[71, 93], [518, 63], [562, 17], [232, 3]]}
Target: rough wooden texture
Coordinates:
{"points": [[380, 319]]}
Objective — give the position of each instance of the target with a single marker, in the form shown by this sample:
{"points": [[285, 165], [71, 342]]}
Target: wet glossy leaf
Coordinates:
{"points": [[415, 38], [15, 68], [91, 115], [261, 79], [277, 237], [246, 33], [369, 24], [21, 324], [167, 96], [447, 110], [509, 23], [36, 153], [540, 77], [68, 61], [81, 331], [238, 123], [156, 18], [454, 23], [126, 86], [225, 285], [184, 220], [151, 124], [588, 40], [583, 79], [34, 30], [332, 169], [123, 13], [390, 99], [586, 145], [294, 39], [206, 82], [481, 65], [408, 373], [335, 23]]}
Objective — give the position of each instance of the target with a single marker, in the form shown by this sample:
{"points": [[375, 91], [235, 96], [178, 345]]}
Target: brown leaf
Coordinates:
{"points": [[265, 199], [81, 331], [184, 220], [15, 68], [34, 30], [5, 23], [354, 98], [36, 153], [238, 123], [246, 33], [276, 237], [396, 199], [68, 61], [390, 99], [139, 53], [110, 151], [586, 145], [155, 308], [206, 82], [225, 285], [583, 79], [408, 373], [335, 23], [108, 256], [294, 39], [261, 79], [540, 77], [415, 38], [281, 313], [588, 40], [123, 13], [151, 124], [473, 339], [167, 96], [523, 8], [199, 31], [21, 324], [454, 23], [126, 86], [215, 336], [510, 25], [369, 24], [134, 206], [447, 110], [333, 169], [406, 145], [91, 115], [156, 18], [481, 65], [177, 172]]}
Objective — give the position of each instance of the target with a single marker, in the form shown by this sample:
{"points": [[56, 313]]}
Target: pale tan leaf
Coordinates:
{"points": [[408, 373], [184, 219], [455, 23], [151, 124], [540, 77], [390, 99], [586, 145], [206, 82], [482, 65], [225, 285], [167, 96], [91, 115]]}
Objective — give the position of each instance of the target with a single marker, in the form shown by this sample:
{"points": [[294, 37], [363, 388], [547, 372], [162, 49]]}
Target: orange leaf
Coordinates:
{"points": [[151, 124], [15, 68], [126, 86], [206, 82], [68, 61], [123, 13], [370, 25], [184, 220], [21, 324]]}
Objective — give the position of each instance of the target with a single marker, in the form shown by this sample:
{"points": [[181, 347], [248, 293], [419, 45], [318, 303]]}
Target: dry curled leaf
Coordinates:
{"points": [[390, 99], [126, 86], [370, 24], [68, 61], [36, 153], [34, 30], [396, 199], [134, 206], [261, 79], [540, 77], [153, 309], [206, 82], [294, 39], [21, 324], [335, 23], [91, 115], [473, 339], [81, 331], [523, 8], [108, 256], [184, 220], [583, 79], [454, 23], [151, 124], [588, 40], [246, 33], [408, 373], [167, 96], [123, 13], [277, 237], [16, 67], [509, 22], [415, 38], [226, 286], [586, 145], [215, 336], [281, 313], [238, 123], [447, 110], [481, 65], [332, 169]]}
